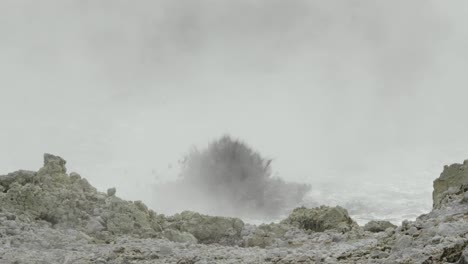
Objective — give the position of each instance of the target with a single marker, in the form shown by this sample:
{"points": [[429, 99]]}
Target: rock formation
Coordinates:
{"points": [[50, 216], [378, 226], [69, 201], [321, 219], [452, 181]]}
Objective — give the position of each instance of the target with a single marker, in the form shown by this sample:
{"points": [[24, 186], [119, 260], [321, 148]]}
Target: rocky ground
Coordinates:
{"points": [[50, 216]]}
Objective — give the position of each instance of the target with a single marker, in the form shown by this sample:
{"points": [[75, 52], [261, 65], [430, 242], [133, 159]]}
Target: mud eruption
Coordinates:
{"points": [[230, 178]]}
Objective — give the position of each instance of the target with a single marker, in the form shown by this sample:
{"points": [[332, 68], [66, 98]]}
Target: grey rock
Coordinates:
{"points": [[464, 257], [265, 235], [51, 217], [405, 225], [377, 254], [402, 243], [276, 254], [165, 250], [378, 226], [178, 236], [208, 229], [465, 198], [54, 164], [452, 178], [413, 231], [303, 259], [111, 191], [321, 218], [11, 217], [436, 239], [95, 225], [52, 196]]}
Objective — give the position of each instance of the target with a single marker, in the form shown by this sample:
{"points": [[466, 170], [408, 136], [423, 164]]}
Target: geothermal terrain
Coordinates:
{"points": [[50, 216]]}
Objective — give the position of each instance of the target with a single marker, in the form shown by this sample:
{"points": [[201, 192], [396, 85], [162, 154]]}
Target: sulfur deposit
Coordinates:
{"points": [[50, 216]]}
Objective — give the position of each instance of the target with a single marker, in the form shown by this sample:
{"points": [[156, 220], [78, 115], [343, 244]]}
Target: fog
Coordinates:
{"points": [[338, 93]]}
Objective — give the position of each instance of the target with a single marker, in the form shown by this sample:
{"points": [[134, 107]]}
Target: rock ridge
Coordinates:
{"points": [[50, 216]]}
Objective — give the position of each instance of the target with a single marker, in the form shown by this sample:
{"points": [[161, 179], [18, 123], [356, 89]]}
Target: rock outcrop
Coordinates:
{"points": [[321, 218], [452, 181], [266, 235], [207, 229], [378, 226], [69, 201], [49, 216]]}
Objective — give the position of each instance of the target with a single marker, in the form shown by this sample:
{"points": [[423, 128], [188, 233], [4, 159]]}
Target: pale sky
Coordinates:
{"points": [[364, 90]]}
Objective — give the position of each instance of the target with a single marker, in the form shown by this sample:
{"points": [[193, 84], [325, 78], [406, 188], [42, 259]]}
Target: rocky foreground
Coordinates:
{"points": [[50, 216]]}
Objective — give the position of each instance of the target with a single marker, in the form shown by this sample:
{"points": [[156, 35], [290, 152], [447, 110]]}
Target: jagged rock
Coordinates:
{"points": [[208, 229], [464, 257], [95, 225], [51, 217], [70, 201], [111, 191], [378, 226], [402, 243], [53, 164], [263, 236], [123, 217], [465, 198], [276, 254], [22, 177], [178, 236], [166, 250], [452, 180], [321, 218]]}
